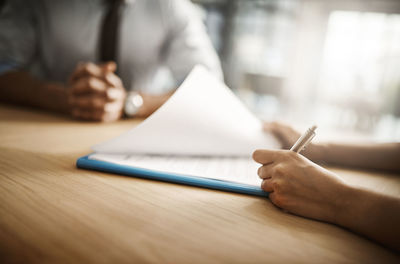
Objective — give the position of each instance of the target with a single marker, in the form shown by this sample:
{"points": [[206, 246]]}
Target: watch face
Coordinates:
{"points": [[132, 104], [130, 108]]}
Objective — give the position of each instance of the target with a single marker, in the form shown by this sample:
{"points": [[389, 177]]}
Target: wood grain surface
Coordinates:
{"points": [[52, 212]]}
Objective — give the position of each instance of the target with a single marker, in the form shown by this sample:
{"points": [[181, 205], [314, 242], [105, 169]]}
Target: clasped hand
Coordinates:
{"points": [[96, 93]]}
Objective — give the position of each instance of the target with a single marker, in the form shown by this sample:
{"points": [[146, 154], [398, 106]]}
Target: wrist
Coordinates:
{"points": [[347, 204]]}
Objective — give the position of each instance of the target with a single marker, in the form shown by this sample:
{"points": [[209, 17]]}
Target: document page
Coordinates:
{"points": [[203, 117], [233, 169]]}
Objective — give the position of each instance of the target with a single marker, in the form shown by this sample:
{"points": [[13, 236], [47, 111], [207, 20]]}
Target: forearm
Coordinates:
{"points": [[152, 102], [374, 215], [384, 156], [23, 89]]}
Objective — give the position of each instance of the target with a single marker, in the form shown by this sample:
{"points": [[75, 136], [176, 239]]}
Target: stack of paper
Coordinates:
{"points": [[203, 130]]}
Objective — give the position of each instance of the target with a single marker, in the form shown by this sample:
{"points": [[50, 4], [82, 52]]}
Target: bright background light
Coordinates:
{"points": [[333, 63]]}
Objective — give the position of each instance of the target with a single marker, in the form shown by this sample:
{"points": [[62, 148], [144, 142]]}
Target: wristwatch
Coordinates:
{"points": [[133, 103]]}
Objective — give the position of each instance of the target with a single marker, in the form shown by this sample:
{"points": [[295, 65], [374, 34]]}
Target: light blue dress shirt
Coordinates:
{"points": [[160, 40]]}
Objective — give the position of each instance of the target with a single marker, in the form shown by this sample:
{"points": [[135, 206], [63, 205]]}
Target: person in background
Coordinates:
{"points": [[100, 59], [298, 185]]}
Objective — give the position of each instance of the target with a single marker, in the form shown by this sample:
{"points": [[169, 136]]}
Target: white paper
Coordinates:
{"points": [[203, 117], [234, 169]]}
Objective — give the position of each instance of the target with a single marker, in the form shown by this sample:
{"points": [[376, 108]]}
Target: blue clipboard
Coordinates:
{"points": [[97, 165]]}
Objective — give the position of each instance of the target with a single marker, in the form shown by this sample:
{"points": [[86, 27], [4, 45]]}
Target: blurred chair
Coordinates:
{"points": [[263, 93], [263, 84]]}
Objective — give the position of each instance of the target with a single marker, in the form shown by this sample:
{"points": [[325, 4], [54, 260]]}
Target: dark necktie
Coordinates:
{"points": [[110, 30]]}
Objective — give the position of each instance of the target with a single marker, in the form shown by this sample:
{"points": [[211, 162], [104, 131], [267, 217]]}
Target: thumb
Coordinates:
{"points": [[109, 66], [265, 156]]}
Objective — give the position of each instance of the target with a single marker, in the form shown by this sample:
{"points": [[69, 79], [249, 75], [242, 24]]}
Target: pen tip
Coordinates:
{"points": [[313, 127]]}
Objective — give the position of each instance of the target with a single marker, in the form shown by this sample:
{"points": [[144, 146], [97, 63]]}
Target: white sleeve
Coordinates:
{"points": [[17, 35], [187, 41]]}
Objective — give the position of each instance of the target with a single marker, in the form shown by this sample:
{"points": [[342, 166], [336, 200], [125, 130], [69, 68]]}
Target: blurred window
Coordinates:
{"points": [[360, 73], [334, 63]]}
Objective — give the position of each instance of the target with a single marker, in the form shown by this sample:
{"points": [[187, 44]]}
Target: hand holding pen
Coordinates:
{"points": [[291, 180]]}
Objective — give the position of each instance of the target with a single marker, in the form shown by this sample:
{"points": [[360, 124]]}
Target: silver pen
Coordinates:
{"points": [[304, 140]]}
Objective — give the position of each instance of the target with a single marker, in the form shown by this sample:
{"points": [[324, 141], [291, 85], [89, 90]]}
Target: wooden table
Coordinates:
{"points": [[52, 212]]}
